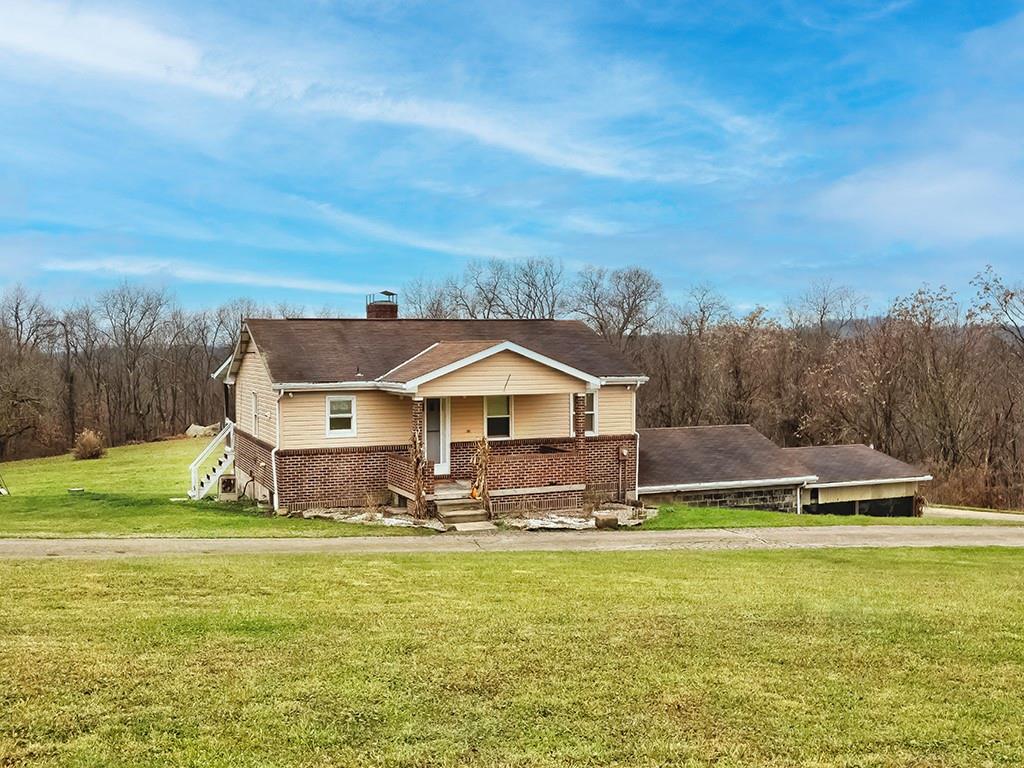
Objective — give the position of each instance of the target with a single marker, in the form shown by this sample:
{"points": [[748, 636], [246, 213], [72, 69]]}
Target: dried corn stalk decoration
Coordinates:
{"points": [[481, 461], [418, 503]]}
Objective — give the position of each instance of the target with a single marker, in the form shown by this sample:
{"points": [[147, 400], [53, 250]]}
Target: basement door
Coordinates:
{"points": [[438, 428]]}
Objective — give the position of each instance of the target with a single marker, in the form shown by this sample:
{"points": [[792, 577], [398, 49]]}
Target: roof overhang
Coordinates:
{"points": [[592, 382], [874, 481], [228, 370], [326, 386], [729, 484]]}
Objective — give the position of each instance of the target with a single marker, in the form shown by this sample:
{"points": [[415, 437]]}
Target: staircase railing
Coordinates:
{"points": [[227, 433]]}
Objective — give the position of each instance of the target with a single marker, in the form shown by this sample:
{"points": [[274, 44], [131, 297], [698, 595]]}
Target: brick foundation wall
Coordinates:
{"points": [[606, 467], [520, 505], [358, 477], [334, 477], [774, 499], [250, 454]]}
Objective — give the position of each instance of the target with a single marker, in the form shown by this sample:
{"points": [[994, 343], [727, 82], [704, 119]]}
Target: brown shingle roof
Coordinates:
{"points": [[322, 351], [437, 356], [681, 456], [851, 463]]}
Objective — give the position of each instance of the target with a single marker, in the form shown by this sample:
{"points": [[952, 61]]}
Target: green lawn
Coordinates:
{"points": [[678, 516], [811, 658], [128, 494]]}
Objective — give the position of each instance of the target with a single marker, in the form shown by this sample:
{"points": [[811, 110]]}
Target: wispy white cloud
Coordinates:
{"points": [[935, 201], [199, 273], [571, 137], [110, 43], [587, 224], [488, 245]]}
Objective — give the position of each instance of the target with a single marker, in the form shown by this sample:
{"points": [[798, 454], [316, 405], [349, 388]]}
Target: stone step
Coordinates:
{"points": [[477, 527], [455, 505], [446, 492], [455, 517]]}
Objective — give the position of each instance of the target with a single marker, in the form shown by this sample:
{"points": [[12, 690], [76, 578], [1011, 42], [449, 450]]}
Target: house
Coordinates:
{"points": [[326, 413], [736, 466]]}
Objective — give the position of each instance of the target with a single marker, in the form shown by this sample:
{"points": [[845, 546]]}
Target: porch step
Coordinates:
{"points": [[452, 490], [478, 527], [462, 511], [456, 505]]}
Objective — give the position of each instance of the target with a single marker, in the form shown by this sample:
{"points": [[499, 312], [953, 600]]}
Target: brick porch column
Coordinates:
{"points": [[419, 428]]}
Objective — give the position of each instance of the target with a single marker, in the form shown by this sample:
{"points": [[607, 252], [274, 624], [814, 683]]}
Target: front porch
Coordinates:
{"points": [[520, 475]]}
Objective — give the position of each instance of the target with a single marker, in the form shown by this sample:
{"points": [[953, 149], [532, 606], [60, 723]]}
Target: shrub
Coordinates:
{"points": [[89, 445]]}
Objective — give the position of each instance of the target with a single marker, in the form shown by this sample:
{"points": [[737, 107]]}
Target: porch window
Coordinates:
{"points": [[341, 416], [498, 416]]}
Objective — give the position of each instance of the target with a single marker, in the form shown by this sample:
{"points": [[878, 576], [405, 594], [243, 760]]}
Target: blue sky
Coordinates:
{"points": [[313, 151]]}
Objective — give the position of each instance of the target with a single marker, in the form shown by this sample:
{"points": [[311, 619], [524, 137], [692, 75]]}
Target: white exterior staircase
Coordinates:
{"points": [[209, 465]]}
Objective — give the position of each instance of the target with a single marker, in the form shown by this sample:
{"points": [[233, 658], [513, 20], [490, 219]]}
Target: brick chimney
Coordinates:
{"points": [[382, 306]]}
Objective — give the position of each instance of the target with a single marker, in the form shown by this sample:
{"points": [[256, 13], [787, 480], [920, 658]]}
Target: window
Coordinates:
{"points": [[255, 415], [341, 416], [498, 416], [589, 412]]}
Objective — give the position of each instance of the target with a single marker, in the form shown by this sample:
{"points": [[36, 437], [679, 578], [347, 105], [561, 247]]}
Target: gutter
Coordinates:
{"points": [[273, 453], [883, 481], [768, 482]]}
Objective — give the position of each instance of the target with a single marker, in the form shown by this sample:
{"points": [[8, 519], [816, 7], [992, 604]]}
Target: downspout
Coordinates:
{"points": [[636, 459], [273, 453]]}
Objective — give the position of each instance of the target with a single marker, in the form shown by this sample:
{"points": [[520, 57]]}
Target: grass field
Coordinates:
{"points": [[676, 517], [839, 658], [128, 494]]}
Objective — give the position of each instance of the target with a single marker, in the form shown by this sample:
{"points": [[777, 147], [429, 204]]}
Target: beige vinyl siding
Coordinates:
{"points": [[253, 377], [862, 492], [616, 410], [540, 416], [505, 373], [467, 418], [381, 419], [532, 416]]}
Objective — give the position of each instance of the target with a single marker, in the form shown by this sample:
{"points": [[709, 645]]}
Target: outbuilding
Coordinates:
{"points": [[858, 480], [718, 466]]}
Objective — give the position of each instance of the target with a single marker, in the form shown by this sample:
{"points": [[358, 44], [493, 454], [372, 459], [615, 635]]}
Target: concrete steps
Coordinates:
{"points": [[457, 511]]}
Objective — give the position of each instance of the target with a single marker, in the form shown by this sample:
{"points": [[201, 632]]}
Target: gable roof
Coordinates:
{"points": [[691, 458], [315, 351], [853, 464]]}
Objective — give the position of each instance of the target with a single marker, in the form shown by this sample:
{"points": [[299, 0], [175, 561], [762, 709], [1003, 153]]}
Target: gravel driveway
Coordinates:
{"points": [[573, 541]]}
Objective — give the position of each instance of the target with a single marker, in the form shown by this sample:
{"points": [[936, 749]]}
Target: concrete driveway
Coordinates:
{"points": [[973, 514], [819, 537]]}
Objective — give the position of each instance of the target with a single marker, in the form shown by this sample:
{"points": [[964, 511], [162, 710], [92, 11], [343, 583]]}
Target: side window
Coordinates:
{"points": [[498, 416], [590, 414], [255, 414], [341, 416]]}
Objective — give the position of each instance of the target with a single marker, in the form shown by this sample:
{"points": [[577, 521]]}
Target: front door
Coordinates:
{"points": [[435, 410]]}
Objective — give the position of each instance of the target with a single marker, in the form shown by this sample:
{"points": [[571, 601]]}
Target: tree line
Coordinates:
{"points": [[931, 380]]}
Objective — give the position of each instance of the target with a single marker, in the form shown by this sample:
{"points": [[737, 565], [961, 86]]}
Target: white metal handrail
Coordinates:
{"points": [[225, 434]]}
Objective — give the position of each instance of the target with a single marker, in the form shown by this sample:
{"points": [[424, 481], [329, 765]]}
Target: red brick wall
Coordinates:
{"points": [[534, 470], [334, 477], [250, 454], [606, 465], [356, 477]]}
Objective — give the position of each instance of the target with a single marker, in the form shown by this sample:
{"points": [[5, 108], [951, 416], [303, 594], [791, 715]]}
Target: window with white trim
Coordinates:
{"points": [[341, 416], [255, 414], [498, 417], [589, 413]]}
